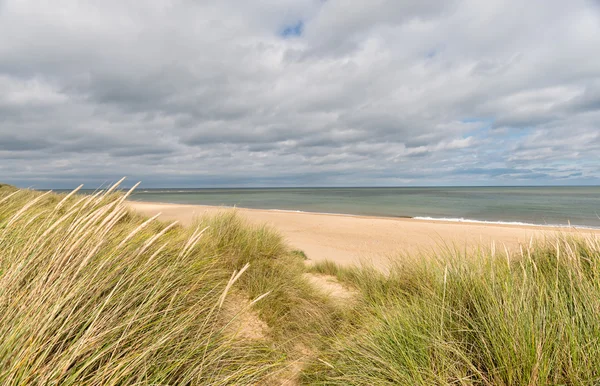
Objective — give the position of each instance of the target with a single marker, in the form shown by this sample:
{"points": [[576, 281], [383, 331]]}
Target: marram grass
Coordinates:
{"points": [[526, 318], [93, 294]]}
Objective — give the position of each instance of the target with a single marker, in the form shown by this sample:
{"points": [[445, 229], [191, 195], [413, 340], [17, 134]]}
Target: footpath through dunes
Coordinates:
{"points": [[348, 240]]}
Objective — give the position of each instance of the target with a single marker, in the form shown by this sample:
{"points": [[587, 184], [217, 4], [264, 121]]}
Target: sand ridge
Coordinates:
{"points": [[349, 240]]}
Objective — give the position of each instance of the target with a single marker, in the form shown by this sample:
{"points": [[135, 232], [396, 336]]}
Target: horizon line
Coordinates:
{"points": [[335, 187]]}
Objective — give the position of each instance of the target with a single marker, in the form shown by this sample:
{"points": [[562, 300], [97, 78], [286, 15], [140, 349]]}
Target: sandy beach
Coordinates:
{"points": [[347, 239]]}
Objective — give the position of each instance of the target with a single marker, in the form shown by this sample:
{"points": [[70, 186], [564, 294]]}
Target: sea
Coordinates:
{"points": [[576, 206]]}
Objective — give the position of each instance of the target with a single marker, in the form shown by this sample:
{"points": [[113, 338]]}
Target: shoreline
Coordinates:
{"points": [[416, 218], [352, 239]]}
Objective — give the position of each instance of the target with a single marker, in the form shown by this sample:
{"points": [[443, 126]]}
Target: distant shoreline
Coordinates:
{"points": [[349, 239], [549, 207], [417, 218]]}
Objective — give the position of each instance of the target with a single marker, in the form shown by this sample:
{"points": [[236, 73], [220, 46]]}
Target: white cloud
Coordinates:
{"points": [[197, 93]]}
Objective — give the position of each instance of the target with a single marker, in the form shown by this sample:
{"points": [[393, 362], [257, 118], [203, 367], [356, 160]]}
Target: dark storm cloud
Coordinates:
{"points": [[181, 93]]}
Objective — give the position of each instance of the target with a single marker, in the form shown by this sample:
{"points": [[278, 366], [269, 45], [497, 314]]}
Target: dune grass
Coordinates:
{"points": [[493, 319], [91, 293], [295, 312]]}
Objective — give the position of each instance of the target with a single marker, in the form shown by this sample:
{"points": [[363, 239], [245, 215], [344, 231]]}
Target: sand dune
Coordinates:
{"points": [[349, 239]]}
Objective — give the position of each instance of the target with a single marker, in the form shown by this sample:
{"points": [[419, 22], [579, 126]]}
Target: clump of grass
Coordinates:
{"points": [[492, 319], [93, 294], [238, 242], [299, 253], [407, 276]]}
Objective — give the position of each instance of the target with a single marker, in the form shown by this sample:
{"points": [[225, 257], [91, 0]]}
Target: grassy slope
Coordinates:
{"points": [[490, 319], [90, 295]]}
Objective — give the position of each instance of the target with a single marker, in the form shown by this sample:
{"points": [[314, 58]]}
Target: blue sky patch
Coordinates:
{"points": [[293, 30]]}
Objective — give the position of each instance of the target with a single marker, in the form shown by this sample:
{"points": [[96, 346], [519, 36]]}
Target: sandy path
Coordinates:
{"points": [[348, 239]]}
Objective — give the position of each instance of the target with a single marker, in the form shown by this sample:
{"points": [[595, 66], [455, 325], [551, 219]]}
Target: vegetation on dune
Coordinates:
{"points": [[295, 312], [491, 319], [91, 293], [7, 187]]}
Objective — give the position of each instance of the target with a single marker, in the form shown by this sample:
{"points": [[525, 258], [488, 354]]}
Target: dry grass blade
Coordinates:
{"points": [[138, 229], [236, 275], [67, 197]]}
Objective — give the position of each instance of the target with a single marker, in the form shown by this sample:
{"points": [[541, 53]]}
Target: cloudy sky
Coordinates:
{"points": [[196, 93]]}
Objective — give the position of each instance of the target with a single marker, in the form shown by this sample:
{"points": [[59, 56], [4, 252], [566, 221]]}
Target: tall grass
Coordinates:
{"points": [[91, 293], [299, 317], [493, 319]]}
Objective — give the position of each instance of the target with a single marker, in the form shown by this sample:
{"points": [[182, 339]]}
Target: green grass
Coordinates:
{"points": [[491, 319], [299, 253], [91, 293]]}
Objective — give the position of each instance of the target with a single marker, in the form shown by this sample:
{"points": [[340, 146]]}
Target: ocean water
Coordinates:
{"points": [[577, 206]]}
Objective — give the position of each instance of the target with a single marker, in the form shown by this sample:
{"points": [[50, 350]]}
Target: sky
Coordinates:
{"points": [[228, 93]]}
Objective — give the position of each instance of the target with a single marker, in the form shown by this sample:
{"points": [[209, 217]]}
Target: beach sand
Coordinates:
{"points": [[348, 240]]}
